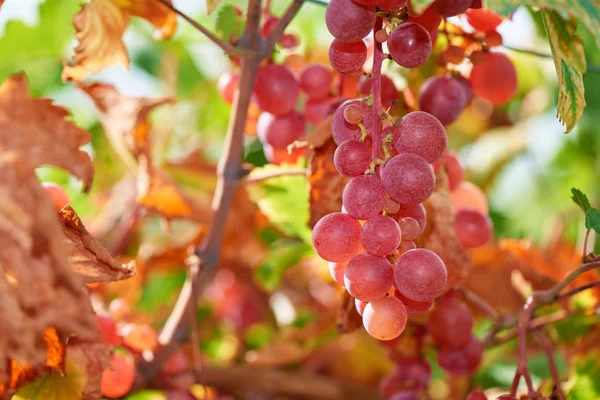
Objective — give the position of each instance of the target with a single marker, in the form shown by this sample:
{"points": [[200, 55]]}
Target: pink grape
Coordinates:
{"points": [[450, 324], [428, 20], [228, 84], [367, 277], [468, 195], [346, 57], [391, 5], [450, 8], [409, 227], [360, 306], [473, 228], [385, 319], [341, 129], [420, 275], [352, 158], [409, 373], [315, 111], [336, 237], [276, 89], [316, 81], [409, 45], [461, 361], [364, 197], [381, 235], [280, 132], [495, 78], [289, 41], [108, 329], [58, 196], [413, 307], [389, 92], [477, 395], [391, 207], [408, 179], [443, 97], [483, 19], [336, 269], [453, 168], [467, 89], [422, 134], [405, 246], [415, 211], [348, 21]]}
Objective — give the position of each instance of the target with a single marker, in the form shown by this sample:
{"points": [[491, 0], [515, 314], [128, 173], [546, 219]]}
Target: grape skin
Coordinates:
{"points": [[495, 78], [346, 57], [336, 237], [367, 277], [476, 395], [408, 179], [415, 211], [409, 373], [443, 97], [389, 92], [348, 21], [280, 132], [409, 227], [461, 361], [341, 129], [450, 8], [468, 195], [381, 235], [405, 246], [450, 324], [414, 307], [228, 84], [364, 197], [117, 380], [422, 134], [409, 45], [420, 275], [336, 270], [454, 169], [483, 19], [352, 158], [360, 306], [276, 89], [385, 319], [473, 229], [316, 80]]}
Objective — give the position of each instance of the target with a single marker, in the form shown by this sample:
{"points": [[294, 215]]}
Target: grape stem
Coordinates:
{"points": [[480, 303], [252, 49], [289, 172], [378, 58], [546, 343]]}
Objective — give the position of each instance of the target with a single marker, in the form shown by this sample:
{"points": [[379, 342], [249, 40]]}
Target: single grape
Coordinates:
{"points": [[348, 21], [415, 211], [409, 45], [493, 39], [483, 19], [316, 81], [452, 55], [57, 195], [280, 132], [353, 114], [408, 179], [405, 395], [450, 324], [367, 277], [413, 307], [283, 156], [443, 97], [381, 35], [453, 168], [409, 374], [336, 270], [346, 57], [352, 158], [473, 228], [391, 5], [363, 197], [289, 41], [108, 329], [409, 227], [405, 246], [360, 306], [495, 78], [467, 89], [341, 129], [391, 207], [268, 26], [389, 93], [461, 361], [468, 195], [381, 235], [385, 319], [428, 20], [476, 395], [139, 337], [450, 8], [336, 237], [228, 84], [117, 380], [276, 89], [176, 363], [315, 111], [422, 134], [420, 275]]}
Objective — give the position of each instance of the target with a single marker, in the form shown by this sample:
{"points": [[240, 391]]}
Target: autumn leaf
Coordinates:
{"points": [[56, 386], [159, 193], [1, 2], [348, 319], [93, 358], [100, 26], [87, 256]]}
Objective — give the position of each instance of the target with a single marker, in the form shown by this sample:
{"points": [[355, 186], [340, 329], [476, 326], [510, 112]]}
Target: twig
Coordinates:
{"points": [[284, 21], [228, 48], [524, 318], [530, 52], [289, 172], [480, 303], [546, 344], [378, 58], [576, 290], [585, 242]]}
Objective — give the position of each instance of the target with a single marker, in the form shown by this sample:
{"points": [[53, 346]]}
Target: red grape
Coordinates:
{"points": [[405, 246], [139, 337], [280, 132], [268, 26], [315, 111], [381, 35], [475, 4], [450, 324], [409, 45], [473, 228], [477, 395], [468, 195], [176, 363], [422, 134], [316, 81], [450, 8], [341, 129], [495, 78], [408, 179], [353, 113], [413, 307], [118, 379], [336, 269], [57, 195], [493, 39], [364, 197], [281, 156], [483, 19], [352, 158], [366, 2], [408, 374], [346, 57], [228, 84], [108, 329], [336, 237], [381, 235], [389, 92], [443, 97], [348, 21], [391, 5], [367, 277], [428, 20], [409, 227], [507, 397], [276, 89], [289, 41], [360, 306], [420, 275], [453, 168], [385, 319], [461, 361], [415, 211], [391, 207]]}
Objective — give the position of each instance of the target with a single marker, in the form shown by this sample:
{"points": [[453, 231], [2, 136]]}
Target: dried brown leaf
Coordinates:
{"points": [[159, 193], [93, 357], [348, 319], [87, 256]]}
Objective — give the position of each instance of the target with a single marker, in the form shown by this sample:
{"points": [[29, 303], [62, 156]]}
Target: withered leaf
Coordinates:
{"points": [[348, 319], [440, 236], [87, 256], [100, 26], [36, 131], [92, 357]]}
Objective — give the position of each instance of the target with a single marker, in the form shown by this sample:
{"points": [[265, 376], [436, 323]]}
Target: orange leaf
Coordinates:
{"points": [[55, 350], [157, 192]]}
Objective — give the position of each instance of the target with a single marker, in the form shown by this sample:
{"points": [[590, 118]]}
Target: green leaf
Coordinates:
{"points": [[56, 386], [586, 384], [229, 23], [280, 257], [569, 60], [420, 5], [580, 199], [592, 220], [159, 290], [257, 335], [284, 199], [147, 395]]}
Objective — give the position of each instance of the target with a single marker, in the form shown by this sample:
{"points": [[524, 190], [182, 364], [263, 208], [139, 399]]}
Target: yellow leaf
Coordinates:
{"points": [[56, 386]]}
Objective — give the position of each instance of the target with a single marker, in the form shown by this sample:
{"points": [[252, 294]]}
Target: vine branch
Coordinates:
{"points": [[289, 172]]}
